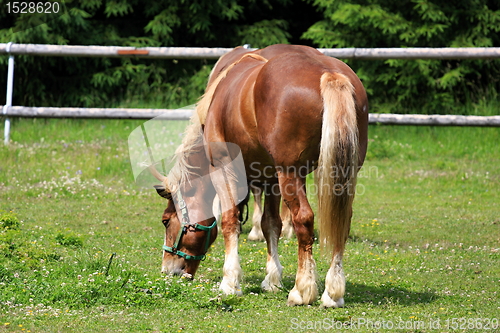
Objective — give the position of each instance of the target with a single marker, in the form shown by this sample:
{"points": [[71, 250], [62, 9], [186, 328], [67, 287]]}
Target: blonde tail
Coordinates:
{"points": [[338, 161]]}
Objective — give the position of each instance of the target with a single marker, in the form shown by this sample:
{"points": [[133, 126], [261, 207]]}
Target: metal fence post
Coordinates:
{"points": [[8, 98]]}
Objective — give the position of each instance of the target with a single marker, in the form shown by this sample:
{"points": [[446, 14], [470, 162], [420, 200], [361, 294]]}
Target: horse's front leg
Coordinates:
{"points": [[228, 190], [230, 284]]}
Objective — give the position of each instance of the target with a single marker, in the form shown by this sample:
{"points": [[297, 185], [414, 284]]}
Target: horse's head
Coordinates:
{"points": [[190, 226], [188, 234]]}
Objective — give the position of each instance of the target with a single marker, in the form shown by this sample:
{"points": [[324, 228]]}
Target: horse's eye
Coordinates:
{"points": [[165, 222], [189, 192]]}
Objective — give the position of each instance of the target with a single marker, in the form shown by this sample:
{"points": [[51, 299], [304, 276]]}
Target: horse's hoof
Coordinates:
{"points": [[327, 302], [270, 287], [307, 297], [294, 298], [230, 290], [255, 236]]}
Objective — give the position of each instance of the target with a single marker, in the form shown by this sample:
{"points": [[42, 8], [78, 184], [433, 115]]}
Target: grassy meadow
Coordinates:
{"points": [[80, 243]]}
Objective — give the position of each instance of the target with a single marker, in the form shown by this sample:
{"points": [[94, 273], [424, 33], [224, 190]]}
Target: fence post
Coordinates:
{"points": [[8, 98]]}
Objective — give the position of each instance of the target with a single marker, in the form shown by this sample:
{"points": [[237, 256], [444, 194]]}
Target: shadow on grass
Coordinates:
{"points": [[386, 294], [356, 293]]}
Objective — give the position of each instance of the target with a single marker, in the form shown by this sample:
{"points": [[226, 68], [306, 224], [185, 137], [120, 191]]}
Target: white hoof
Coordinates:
{"points": [[333, 296], [307, 296], [230, 288], [269, 286], [328, 302], [256, 235], [294, 298]]}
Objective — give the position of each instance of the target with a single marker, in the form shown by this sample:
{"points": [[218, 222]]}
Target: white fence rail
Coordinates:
{"points": [[185, 114], [434, 120], [12, 49], [98, 113], [214, 53]]}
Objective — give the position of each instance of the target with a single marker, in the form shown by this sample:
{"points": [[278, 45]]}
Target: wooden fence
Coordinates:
{"points": [[185, 114], [215, 53]]}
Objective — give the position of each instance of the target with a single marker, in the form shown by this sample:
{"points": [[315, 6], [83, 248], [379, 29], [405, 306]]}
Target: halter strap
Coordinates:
{"points": [[182, 232], [185, 225]]}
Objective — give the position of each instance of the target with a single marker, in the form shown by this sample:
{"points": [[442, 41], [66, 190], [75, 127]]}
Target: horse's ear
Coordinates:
{"points": [[162, 191]]}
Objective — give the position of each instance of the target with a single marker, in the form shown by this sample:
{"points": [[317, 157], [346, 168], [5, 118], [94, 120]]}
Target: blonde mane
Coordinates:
{"points": [[179, 174], [193, 135]]}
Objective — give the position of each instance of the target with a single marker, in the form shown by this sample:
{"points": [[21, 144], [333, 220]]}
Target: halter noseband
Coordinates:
{"points": [[185, 225]]}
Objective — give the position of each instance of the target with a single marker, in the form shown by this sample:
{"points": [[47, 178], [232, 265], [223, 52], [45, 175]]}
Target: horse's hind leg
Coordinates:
{"points": [[256, 232], [333, 296], [271, 227], [293, 191]]}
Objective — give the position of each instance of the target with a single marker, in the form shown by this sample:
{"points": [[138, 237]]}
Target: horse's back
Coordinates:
{"points": [[274, 110], [268, 53], [290, 118], [280, 49], [226, 60], [231, 116]]}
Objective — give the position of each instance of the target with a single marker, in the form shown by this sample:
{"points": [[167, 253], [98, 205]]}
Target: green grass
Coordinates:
{"points": [[80, 244]]}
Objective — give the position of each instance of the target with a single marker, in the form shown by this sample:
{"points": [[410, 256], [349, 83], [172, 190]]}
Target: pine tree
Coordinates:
{"points": [[419, 86], [106, 82]]}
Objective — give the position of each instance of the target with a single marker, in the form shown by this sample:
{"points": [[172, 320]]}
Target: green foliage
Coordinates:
{"points": [[104, 82], [264, 33], [419, 86], [8, 220], [4, 274], [69, 239], [17, 249]]}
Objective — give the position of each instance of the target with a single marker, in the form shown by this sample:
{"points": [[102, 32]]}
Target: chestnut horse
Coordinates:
{"points": [[291, 110]]}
